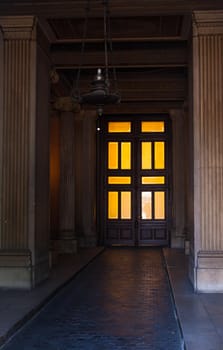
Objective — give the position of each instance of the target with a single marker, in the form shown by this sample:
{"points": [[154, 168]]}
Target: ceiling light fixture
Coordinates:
{"points": [[105, 80]]}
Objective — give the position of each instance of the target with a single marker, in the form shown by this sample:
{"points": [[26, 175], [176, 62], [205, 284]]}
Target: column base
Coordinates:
{"points": [[87, 241], [17, 271], [208, 274], [64, 246], [177, 241]]}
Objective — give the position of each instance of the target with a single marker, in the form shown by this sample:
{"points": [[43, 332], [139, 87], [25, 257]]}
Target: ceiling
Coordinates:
{"points": [[149, 53], [150, 39]]}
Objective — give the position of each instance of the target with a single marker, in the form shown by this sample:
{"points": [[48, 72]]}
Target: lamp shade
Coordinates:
{"points": [[99, 94]]}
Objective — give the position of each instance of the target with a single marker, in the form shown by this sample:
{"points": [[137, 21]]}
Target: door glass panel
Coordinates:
{"points": [[112, 205], [152, 126], [153, 180], [146, 205], [146, 158], [159, 155], [113, 155], [125, 205], [119, 127], [125, 155], [159, 198], [119, 180]]}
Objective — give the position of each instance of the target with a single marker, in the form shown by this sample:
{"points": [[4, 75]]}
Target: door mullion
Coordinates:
{"points": [[136, 189], [153, 155]]}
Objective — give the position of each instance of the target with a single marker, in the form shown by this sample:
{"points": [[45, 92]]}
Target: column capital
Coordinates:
{"points": [[86, 115], [90, 115], [17, 27], [66, 104], [207, 22]]}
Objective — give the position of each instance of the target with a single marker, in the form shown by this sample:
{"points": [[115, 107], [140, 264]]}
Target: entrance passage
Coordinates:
{"points": [[120, 301], [136, 181]]}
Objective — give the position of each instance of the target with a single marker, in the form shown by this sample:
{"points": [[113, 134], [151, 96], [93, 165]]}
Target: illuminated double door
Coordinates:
{"points": [[136, 191]]}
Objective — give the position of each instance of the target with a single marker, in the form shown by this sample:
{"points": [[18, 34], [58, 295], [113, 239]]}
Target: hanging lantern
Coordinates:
{"points": [[100, 93]]}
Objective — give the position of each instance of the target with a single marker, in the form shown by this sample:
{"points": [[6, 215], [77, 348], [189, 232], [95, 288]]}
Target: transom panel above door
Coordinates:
{"points": [[135, 181]]}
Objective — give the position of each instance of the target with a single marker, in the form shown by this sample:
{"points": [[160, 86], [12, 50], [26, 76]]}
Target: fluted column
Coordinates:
{"points": [[23, 153], [85, 178], [66, 241], [208, 150], [179, 148], [54, 173], [63, 237]]}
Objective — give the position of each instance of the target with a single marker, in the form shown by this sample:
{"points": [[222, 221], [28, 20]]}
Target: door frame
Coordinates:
{"points": [[101, 161]]}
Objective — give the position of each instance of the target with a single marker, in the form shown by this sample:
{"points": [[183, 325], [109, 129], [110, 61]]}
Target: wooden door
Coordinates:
{"points": [[135, 181]]}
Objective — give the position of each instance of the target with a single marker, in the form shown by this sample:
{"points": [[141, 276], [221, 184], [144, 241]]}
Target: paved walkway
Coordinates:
{"points": [[18, 306], [120, 301], [200, 314]]}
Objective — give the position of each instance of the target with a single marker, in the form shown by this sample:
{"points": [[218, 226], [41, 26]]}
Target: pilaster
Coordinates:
{"points": [[24, 97], [208, 150]]}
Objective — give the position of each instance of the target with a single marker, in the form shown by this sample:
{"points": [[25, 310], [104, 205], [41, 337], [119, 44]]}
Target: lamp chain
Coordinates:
{"points": [[75, 88], [111, 51], [105, 3]]}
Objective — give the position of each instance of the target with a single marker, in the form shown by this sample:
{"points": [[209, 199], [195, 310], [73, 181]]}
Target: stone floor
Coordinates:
{"points": [[122, 300], [200, 315], [16, 306]]}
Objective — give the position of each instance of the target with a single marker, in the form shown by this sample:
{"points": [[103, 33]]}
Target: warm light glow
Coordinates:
{"points": [[158, 126], [119, 127], [146, 205], [125, 205], [159, 198], [159, 150], [153, 201], [126, 155], [119, 180], [146, 148], [112, 205], [113, 155], [153, 180]]}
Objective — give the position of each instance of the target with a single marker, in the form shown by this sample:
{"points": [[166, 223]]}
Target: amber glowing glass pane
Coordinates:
{"points": [[159, 149], [159, 198], [125, 205], [112, 205], [146, 205], [113, 155], [153, 180], [153, 126], [119, 180], [119, 127], [146, 155], [126, 155]]}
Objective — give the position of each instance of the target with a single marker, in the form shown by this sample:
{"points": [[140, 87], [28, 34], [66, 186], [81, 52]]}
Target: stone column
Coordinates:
{"points": [[54, 173], [207, 262], [64, 240], [179, 148], [85, 178], [24, 143]]}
